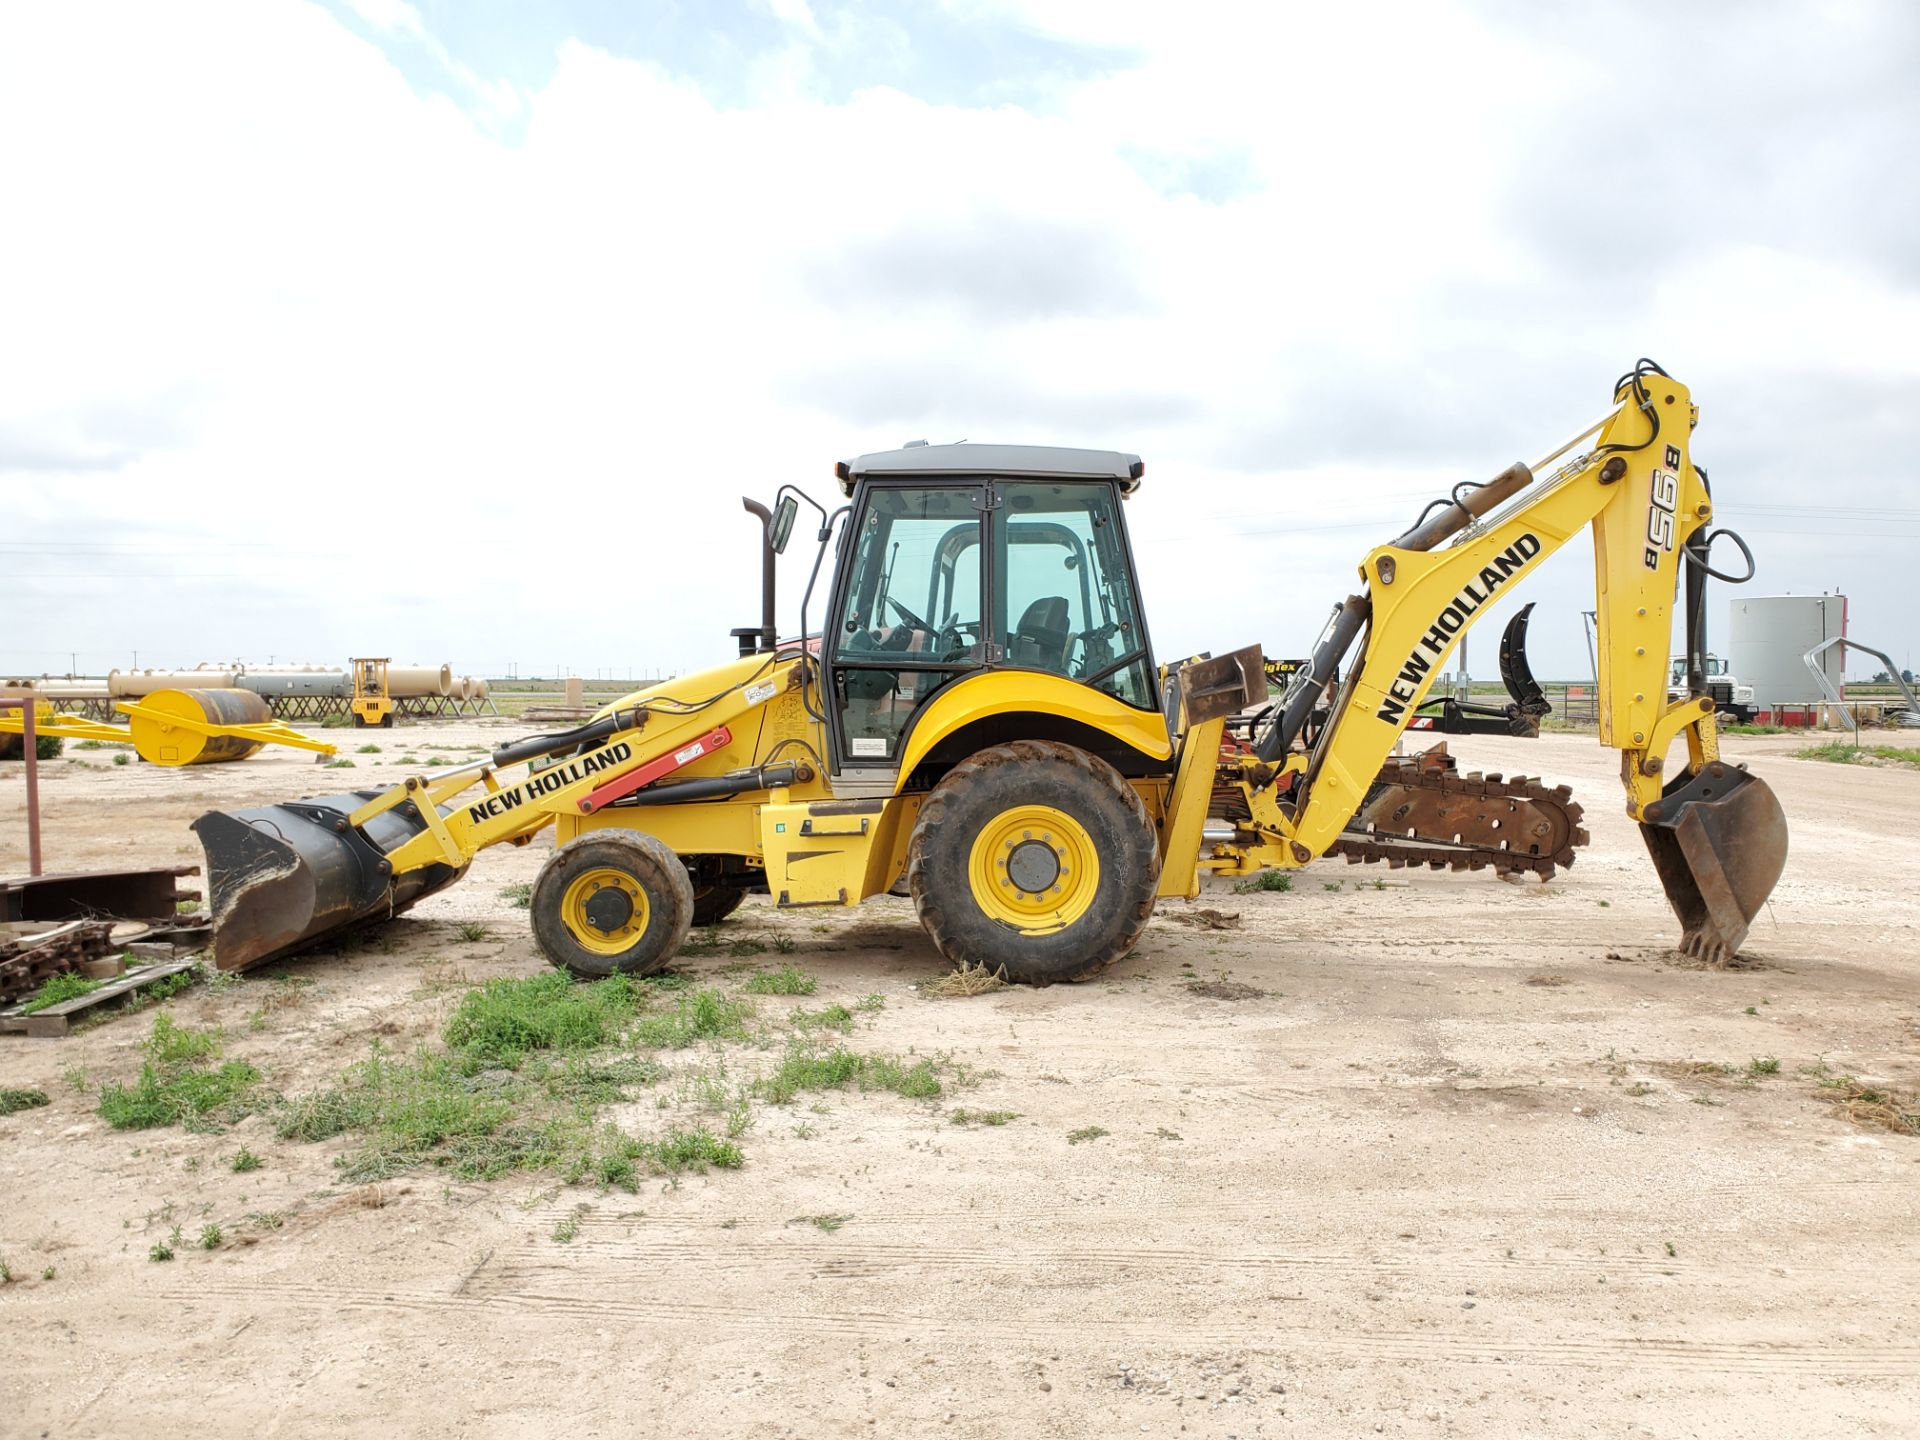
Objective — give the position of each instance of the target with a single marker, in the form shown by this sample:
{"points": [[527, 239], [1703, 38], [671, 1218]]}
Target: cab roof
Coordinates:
{"points": [[1041, 462]]}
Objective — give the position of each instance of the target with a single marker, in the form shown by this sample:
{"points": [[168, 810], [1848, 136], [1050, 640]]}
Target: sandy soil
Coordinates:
{"points": [[1441, 1176]]}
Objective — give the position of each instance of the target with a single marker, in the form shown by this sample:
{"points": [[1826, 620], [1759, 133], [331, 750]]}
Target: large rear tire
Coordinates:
{"points": [[612, 902], [1036, 860]]}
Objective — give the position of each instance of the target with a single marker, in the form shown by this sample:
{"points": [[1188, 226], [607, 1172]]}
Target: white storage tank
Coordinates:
{"points": [[1767, 641]]}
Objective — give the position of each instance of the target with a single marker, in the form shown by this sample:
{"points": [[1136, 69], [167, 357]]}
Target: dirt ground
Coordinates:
{"points": [[1436, 1168]]}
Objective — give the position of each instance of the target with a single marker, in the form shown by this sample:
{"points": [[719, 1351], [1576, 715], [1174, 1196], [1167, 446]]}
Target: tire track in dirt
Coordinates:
{"points": [[1758, 1358]]}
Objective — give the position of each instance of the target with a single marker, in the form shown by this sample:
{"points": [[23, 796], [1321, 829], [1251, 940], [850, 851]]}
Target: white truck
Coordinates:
{"points": [[1730, 698]]}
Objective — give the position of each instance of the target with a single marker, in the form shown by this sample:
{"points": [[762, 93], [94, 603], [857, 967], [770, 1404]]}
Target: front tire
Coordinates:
{"points": [[1036, 860], [612, 902]]}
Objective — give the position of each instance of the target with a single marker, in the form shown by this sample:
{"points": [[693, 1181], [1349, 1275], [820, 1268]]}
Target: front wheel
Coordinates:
{"points": [[612, 902], [1036, 860]]}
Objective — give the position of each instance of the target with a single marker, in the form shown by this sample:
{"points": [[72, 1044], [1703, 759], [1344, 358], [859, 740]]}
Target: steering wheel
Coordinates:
{"points": [[907, 615]]}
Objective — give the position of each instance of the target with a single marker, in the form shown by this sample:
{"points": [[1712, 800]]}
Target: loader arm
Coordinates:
{"points": [[1716, 833]]}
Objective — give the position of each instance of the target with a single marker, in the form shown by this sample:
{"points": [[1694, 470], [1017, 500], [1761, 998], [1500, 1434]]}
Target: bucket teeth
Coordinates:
{"points": [[1718, 839]]}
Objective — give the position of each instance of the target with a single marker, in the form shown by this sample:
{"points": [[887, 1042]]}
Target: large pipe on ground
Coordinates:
{"points": [[407, 682]]}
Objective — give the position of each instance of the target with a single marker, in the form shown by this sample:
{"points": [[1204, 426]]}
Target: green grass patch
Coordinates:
{"points": [[12, 1102], [58, 988], [179, 1084], [1841, 752], [983, 1117], [787, 980], [1753, 729], [519, 896], [1267, 881], [703, 1014], [1086, 1133], [171, 1044], [842, 1069], [165, 1095], [244, 1160], [339, 763], [504, 1021], [368, 750], [833, 1017]]}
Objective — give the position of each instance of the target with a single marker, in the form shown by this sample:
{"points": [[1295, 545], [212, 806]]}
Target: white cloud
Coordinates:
{"points": [[391, 380]]}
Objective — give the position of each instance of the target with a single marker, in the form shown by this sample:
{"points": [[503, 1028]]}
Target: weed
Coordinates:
{"points": [[210, 1236], [125, 759], [1840, 752], [160, 1251], [785, 944], [503, 1021], [839, 1068], [1275, 882], [982, 1117], [1086, 1132], [697, 1015], [828, 1223], [965, 981], [1379, 884], [334, 722], [1330, 885], [14, 1101], [368, 750], [167, 987], [472, 931], [1753, 729], [625, 1159], [433, 760], [244, 1161], [339, 762], [47, 1274], [564, 1232], [168, 1096], [871, 1004], [519, 896], [6, 1273], [186, 907], [1671, 1252], [1605, 904], [785, 981], [1873, 1106], [267, 1219], [1163, 1133], [1639, 1088], [834, 1017], [1763, 1065], [58, 988], [1547, 981], [172, 1044], [1750, 1011]]}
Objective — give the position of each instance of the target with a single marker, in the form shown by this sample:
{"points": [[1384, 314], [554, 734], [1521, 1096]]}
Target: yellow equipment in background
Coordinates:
{"points": [[181, 727], [980, 719], [372, 702]]}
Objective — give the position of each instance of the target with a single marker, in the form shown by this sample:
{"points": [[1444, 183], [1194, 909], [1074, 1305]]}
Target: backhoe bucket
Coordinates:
{"points": [[1719, 840], [283, 878]]}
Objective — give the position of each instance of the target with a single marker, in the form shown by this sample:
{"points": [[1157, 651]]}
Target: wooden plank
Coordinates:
{"points": [[57, 1020]]}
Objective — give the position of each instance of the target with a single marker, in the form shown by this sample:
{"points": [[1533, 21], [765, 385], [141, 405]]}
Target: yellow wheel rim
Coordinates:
{"points": [[1034, 869], [605, 910]]}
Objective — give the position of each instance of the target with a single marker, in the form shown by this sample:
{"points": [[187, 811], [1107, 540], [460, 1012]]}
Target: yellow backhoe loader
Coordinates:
{"points": [[980, 718]]}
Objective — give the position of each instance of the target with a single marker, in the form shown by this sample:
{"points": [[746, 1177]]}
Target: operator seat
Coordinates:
{"points": [[1041, 639]]}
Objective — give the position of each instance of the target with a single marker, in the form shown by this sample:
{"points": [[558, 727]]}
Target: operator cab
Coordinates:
{"points": [[962, 558]]}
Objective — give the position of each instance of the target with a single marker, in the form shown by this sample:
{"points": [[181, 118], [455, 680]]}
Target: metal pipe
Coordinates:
{"points": [[31, 741], [1306, 686], [534, 746], [762, 777], [1462, 513], [769, 625]]}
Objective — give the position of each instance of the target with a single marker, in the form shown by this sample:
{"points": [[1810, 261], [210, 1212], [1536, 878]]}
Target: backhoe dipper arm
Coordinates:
{"points": [[1639, 490]]}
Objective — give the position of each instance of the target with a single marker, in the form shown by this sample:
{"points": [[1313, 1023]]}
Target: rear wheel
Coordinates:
{"points": [[713, 903], [1035, 859], [614, 901]]}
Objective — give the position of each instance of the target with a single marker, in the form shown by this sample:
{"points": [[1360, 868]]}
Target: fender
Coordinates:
{"points": [[1003, 692]]}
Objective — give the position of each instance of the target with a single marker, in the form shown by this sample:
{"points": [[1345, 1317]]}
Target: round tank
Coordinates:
{"points": [[295, 682], [162, 743], [409, 681], [481, 689], [131, 684]]}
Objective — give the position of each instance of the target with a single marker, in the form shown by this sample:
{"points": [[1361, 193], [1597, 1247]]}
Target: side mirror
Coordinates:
{"points": [[781, 526]]}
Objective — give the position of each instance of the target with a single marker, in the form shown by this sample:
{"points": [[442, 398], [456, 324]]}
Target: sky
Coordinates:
{"points": [[455, 329]]}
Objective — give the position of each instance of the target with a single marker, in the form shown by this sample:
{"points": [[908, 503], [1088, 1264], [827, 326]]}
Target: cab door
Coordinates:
{"points": [[907, 617]]}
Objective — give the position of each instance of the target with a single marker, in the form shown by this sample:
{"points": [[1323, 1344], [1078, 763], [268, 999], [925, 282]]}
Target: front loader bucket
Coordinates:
{"points": [[1719, 840], [283, 878]]}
